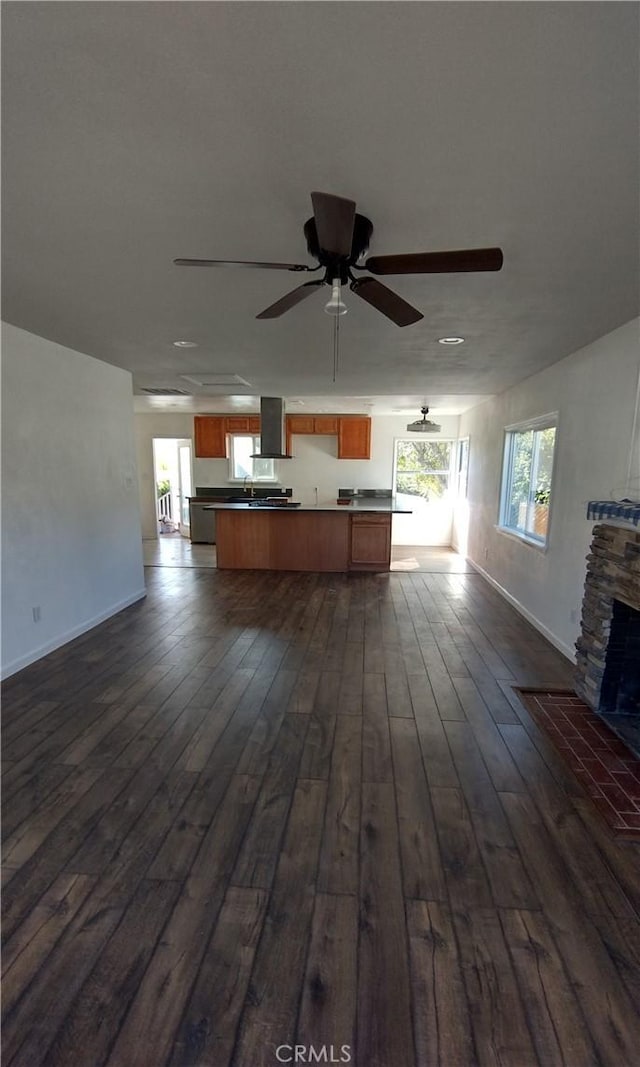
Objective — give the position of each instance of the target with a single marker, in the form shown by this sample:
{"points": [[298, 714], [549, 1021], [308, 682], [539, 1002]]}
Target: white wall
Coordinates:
{"points": [[315, 465], [595, 392], [70, 519]]}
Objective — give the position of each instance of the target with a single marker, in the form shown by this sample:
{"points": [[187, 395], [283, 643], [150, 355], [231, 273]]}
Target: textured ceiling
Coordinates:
{"points": [[139, 132]]}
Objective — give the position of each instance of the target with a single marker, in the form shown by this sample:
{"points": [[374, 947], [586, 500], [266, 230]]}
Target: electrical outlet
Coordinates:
{"points": [[486, 553], [36, 613]]}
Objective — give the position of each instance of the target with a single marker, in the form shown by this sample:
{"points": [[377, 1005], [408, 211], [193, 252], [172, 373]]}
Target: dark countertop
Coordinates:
{"points": [[375, 507], [225, 494]]}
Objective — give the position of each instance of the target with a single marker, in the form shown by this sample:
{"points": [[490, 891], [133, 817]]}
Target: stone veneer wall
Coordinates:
{"points": [[613, 573]]}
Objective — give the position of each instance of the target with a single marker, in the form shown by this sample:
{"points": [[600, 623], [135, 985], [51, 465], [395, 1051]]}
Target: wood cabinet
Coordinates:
{"points": [[354, 437], [325, 424], [314, 540], [237, 424], [210, 436], [210, 432], [370, 542], [354, 432], [296, 424], [300, 424], [282, 540], [309, 424], [312, 424]]}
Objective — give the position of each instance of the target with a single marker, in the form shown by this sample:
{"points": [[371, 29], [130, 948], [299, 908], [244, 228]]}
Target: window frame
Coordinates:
{"points": [[233, 478], [450, 471], [463, 452], [541, 422]]}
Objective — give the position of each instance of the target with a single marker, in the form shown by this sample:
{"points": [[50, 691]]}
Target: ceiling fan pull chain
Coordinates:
{"points": [[336, 345]]}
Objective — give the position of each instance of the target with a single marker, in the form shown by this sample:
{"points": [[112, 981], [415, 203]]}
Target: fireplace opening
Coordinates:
{"points": [[620, 692]]}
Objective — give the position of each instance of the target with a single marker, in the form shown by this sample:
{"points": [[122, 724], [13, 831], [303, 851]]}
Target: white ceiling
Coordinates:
{"points": [[135, 133]]}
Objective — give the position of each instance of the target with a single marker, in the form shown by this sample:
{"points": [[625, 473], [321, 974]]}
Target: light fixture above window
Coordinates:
{"points": [[423, 425], [451, 340]]}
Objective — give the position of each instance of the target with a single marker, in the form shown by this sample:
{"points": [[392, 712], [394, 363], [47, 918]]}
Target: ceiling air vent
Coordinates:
{"points": [[166, 392], [215, 380]]}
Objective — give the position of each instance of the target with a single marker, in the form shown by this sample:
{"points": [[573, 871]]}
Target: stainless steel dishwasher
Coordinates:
{"points": [[203, 524]]}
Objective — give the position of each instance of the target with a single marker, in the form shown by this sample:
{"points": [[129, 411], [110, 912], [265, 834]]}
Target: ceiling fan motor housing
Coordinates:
{"points": [[338, 266]]}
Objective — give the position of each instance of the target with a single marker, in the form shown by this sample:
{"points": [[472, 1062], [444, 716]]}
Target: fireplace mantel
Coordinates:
{"points": [[623, 512]]}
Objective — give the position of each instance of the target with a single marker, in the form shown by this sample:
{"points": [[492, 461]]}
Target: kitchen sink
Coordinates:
{"points": [[274, 502]]}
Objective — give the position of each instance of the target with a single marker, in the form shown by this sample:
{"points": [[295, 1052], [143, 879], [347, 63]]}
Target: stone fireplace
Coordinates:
{"points": [[608, 649]]}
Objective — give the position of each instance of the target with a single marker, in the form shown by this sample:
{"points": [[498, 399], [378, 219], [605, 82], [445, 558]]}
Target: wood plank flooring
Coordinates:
{"points": [[262, 810]]}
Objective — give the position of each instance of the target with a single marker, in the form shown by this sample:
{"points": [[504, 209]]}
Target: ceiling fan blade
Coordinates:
{"points": [[386, 301], [240, 263], [334, 217], [290, 300], [468, 259]]}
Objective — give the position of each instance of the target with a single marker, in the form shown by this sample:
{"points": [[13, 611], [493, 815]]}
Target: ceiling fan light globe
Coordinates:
{"points": [[334, 305]]}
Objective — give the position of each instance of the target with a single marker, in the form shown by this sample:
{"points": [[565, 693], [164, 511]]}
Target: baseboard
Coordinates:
{"points": [[62, 639], [432, 544], [520, 608]]}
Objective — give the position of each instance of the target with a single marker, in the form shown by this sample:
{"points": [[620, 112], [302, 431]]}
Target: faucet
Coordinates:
{"points": [[246, 478]]}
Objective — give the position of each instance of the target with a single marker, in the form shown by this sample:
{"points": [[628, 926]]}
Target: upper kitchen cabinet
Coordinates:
{"points": [[300, 424], [312, 424], [211, 432], [296, 424], [356, 445], [238, 423], [325, 424], [354, 437], [210, 436]]}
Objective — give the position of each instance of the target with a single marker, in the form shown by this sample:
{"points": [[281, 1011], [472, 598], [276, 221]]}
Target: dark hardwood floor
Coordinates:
{"points": [[261, 810]]}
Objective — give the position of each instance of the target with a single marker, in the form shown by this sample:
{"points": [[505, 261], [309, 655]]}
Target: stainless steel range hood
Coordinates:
{"points": [[272, 434]]}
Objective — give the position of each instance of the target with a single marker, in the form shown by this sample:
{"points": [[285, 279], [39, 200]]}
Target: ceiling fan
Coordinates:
{"points": [[337, 237]]}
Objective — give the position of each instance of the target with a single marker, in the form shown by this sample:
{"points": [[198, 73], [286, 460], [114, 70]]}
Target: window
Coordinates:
{"points": [[526, 479], [463, 468], [423, 468], [243, 466]]}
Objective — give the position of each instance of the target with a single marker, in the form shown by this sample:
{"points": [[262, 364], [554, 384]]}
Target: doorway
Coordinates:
{"points": [[173, 484], [423, 476]]}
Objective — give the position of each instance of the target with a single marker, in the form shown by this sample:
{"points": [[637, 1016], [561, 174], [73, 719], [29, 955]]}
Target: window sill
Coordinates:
{"points": [[523, 539]]}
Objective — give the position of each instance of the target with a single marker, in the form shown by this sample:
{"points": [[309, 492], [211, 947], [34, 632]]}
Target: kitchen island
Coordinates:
{"points": [[315, 538]]}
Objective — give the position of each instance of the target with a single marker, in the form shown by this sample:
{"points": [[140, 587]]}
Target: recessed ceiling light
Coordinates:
{"points": [[451, 340], [185, 344]]}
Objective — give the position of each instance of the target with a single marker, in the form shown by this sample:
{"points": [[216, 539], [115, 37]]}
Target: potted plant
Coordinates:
{"points": [[541, 511]]}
